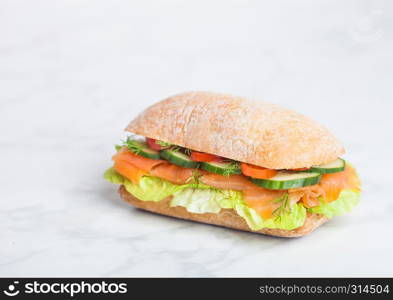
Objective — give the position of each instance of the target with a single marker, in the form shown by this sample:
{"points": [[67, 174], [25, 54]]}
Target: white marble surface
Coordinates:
{"points": [[73, 73]]}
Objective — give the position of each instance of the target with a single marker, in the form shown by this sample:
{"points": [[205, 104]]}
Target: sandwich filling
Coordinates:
{"points": [[153, 170]]}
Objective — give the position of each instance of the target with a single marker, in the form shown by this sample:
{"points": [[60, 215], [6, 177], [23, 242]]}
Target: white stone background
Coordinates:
{"points": [[73, 73]]}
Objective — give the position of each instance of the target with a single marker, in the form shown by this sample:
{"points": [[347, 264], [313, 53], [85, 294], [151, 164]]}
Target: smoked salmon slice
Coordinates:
{"points": [[133, 166], [329, 188]]}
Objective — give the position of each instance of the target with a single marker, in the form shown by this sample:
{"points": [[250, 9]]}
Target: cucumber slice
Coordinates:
{"points": [[178, 158], [334, 166], [142, 149], [284, 180], [222, 168]]}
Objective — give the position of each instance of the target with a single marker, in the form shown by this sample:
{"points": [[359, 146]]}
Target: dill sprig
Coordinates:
{"points": [[284, 205], [175, 148], [183, 150], [133, 145]]}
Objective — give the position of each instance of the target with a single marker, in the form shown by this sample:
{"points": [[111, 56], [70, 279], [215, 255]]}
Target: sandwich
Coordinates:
{"points": [[233, 162]]}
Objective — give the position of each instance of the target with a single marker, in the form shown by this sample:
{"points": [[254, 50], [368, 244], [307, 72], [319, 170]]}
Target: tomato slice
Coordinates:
{"points": [[153, 144], [300, 169], [257, 172], [204, 157]]}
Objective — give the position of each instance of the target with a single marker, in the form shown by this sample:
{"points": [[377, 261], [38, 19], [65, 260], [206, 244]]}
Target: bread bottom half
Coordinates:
{"points": [[226, 217]]}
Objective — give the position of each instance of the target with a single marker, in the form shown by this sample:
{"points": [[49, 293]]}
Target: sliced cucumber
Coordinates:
{"points": [[334, 166], [142, 149], [284, 180], [178, 158], [222, 168]]}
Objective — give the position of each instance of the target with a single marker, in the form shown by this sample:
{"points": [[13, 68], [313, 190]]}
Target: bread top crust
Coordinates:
{"points": [[245, 130]]}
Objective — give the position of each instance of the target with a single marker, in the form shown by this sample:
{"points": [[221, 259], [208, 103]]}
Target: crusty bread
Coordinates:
{"points": [[226, 218], [248, 131]]}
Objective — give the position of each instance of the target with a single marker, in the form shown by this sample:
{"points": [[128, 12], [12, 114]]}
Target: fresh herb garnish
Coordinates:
{"points": [[284, 205]]}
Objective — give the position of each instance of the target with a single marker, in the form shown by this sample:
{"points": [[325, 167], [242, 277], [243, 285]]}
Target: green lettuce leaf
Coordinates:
{"points": [[347, 200]]}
